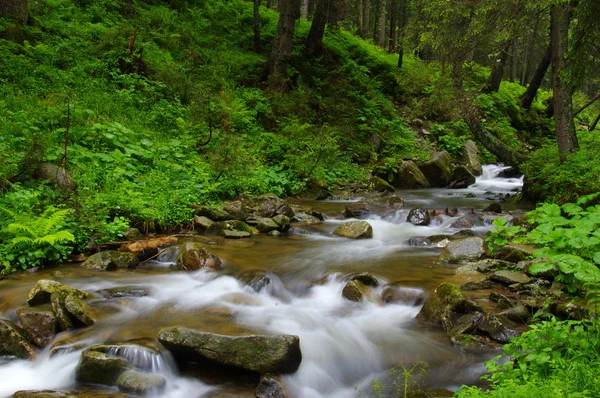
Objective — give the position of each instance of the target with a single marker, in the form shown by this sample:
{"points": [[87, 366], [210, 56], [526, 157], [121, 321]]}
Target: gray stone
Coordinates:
{"points": [[231, 229], [470, 158], [14, 341], [380, 204], [192, 257], [269, 386], [110, 260], [497, 328], [141, 383], [410, 176], [353, 291], [518, 313], [40, 323], [463, 250], [438, 170], [478, 285], [99, 368], [263, 224], [237, 209], [79, 310], [510, 277], [124, 291], [44, 288], [355, 230], [202, 222], [380, 185], [56, 175], [418, 216]]}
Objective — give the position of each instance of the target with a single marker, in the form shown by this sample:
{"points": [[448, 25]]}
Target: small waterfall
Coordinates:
{"points": [[144, 358], [490, 181]]}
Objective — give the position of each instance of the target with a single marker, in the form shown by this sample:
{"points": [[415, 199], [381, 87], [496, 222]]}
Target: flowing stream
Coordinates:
{"points": [[345, 345]]}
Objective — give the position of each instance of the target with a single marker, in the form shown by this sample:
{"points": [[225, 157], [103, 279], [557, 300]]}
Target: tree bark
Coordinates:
{"points": [[537, 80], [304, 9], [289, 11], [382, 23], [257, 45], [18, 12], [270, 3], [493, 83], [393, 25], [366, 18], [359, 17], [561, 89], [402, 20], [314, 40]]}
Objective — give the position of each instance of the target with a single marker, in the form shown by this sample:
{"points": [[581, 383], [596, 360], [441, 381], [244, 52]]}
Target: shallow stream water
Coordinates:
{"points": [[345, 345]]}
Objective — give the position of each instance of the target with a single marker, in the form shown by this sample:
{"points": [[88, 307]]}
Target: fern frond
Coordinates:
{"points": [[52, 239], [21, 228], [21, 240]]}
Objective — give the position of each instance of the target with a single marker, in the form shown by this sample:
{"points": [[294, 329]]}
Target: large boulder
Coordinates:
{"points": [[263, 224], [237, 209], [56, 175], [355, 230], [306, 215], [140, 383], [259, 354], [380, 185], [497, 328], [445, 305], [380, 204], [462, 178], [231, 229], [79, 310], [40, 323], [15, 342], [99, 368], [410, 176], [463, 250], [418, 216], [438, 170], [470, 158], [192, 257], [44, 288], [214, 214], [268, 205], [110, 260], [202, 223]]}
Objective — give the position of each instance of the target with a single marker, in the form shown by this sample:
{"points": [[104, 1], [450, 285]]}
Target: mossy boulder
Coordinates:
{"points": [[263, 224], [133, 234], [461, 178], [366, 278], [237, 209], [202, 223], [110, 260], [438, 170], [57, 175], [40, 323], [283, 222], [443, 305], [353, 291], [380, 185], [14, 341], [192, 257], [44, 288], [60, 311], [140, 383], [409, 176], [355, 230], [99, 368], [257, 353], [463, 250], [419, 216], [470, 158], [214, 214], [231, 229], [497, 328], [79, 310], [380, 204], [270, 205]]}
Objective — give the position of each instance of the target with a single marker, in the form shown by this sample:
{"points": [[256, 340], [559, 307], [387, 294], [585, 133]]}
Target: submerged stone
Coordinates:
{"points": [[353, 291]]}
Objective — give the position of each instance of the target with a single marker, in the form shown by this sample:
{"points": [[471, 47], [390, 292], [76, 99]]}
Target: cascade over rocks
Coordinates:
{"points": [[192, 257], [380, 204], [40, 323], [463, 250], [257, 353], [110, 260], [438, 170], [355, 230], [99, 368], [409, 176], [14, 341], [419, 216]]}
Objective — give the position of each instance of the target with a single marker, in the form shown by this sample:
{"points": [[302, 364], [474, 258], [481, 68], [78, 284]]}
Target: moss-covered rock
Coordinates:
{"points": [[44, 288], [257, 353], [14, 341], [438, 170], [380, 185], [192, 257], [510, 277], [214, 214], [133, 234], [110, 260], [418, 216], [79, 310], [202, 223], [518, 314], [237, 209], [443, 305], [40, 323], [461, 178], [463, 250], [410, 176], [141, 383], [380, 204], [60, 311], [263, 224], [497, 328], [470, 158], [355, 230], [231, 229], [56, 175], [366, 278], [353, 291], [98, 368], [283, 222]]}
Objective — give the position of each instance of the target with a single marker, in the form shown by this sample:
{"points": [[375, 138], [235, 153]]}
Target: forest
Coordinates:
{"points": [[242, 146]]}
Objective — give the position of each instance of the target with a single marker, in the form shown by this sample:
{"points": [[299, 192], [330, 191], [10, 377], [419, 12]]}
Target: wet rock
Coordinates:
{"points": [[510, 277], [231, 229], [60, 311], [478, 285], [395, 294], [353, 291], [133, 234], [470, 158], [443, 305], [438, 170], [263, 224], [380, 204], [305, 218], [79, 310], [380, 185], [466, 324], [258, 353], [463, 250], [572, 311], [269, 386], [410, 176], [202, 223], [515, 253], [283, 223], [418, 216], [462, 222], [366, 278], [124, 291], [256, 279], [502, 302], [355, 230], [497, 327], [237, 209], [461, 178], [98, 368], [42, 291], [110, 260], [214, 214], [518, 313], [14, 341], [40, 323], [57, 175], [140, 383], [494, 208], [192, 257], [269, 206], [489, 265]]}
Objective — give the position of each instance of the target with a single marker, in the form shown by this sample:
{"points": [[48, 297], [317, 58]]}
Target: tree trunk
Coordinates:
{"points": [[457, 75], [304, 9], [393, 25], [382, 23], [561, 89], [257, 45], [270, 3], [360, 15], [537, 80], [493, 83], [314, 40], [336, 12], [402, 20], [289, 11], [366, 18], [16, 11]]}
